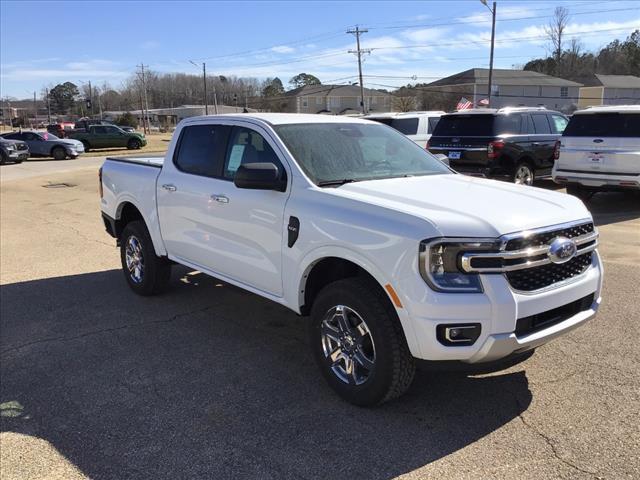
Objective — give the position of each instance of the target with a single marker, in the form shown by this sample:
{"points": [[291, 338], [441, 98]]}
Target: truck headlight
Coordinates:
{"points": [[440, 264]]}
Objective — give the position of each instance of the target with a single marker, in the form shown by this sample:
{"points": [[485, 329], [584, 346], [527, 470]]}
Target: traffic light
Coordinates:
{"points": [[88, 102]]}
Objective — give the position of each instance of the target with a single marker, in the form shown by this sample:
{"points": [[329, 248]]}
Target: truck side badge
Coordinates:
{"points": [[293, 228]]}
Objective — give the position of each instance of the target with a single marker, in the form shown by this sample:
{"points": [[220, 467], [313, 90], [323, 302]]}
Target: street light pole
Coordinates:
{"points": [[493, 39]]}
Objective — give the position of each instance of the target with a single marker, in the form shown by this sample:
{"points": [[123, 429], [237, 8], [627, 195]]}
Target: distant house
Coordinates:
{"points": [[336, 99], [609, 90], [509, 88]]}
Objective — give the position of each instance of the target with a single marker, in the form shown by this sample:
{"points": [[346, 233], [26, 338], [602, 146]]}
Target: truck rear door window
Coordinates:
{"points": [[604, 125], [476, 125], [201, 149], [433, 121]]}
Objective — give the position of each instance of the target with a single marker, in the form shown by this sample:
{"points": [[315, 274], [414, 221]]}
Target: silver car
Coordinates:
{"points": [[45, 144]]}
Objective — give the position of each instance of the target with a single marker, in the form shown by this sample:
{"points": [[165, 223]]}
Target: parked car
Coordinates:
{"points": [[519, 143], [13, 151], [418, 126], [393, 255], [600, 150], [84, 124], [108, 136], [45, 144]]}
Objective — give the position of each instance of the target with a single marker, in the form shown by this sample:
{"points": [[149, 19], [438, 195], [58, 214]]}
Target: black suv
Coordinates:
{"points": [[520, 143]]}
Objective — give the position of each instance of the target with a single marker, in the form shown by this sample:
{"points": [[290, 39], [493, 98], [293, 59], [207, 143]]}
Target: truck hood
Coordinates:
{"points": [[463, 206]]}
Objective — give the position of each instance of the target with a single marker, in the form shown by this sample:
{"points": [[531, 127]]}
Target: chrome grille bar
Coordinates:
{"points": [[589, 242]]}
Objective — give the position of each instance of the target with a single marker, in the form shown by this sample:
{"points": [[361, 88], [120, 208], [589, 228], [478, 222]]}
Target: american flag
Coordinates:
{"points": [[464, 104]]}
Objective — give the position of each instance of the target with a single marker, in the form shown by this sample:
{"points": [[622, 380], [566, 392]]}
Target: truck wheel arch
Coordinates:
{"points": [[126, 212], [326, 270]]}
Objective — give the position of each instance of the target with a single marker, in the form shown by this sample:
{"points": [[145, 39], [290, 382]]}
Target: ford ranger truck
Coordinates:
{"points": [[393, 256]]}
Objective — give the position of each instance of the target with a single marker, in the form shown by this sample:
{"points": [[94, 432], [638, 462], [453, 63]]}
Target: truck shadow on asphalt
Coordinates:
{"points": [[208, 381]]}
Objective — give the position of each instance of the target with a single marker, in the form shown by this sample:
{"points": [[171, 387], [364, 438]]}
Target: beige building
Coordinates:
{"points": [[336, 99], [609, 90], [510, 88]]}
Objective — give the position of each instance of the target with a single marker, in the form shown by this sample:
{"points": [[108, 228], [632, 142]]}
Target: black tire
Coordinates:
{"points": [[393, 366], [87, 146], [579, 191], [134, 144], [523, 173], [58, 153], [155, 271], [3, 158]]}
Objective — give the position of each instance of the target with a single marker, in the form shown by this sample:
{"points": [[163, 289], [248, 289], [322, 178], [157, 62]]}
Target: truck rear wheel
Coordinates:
{"points": [[358, 343], [145, 272], [523, 174]]}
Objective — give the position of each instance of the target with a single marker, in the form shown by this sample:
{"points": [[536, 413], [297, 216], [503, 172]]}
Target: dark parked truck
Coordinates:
{"points": [[13, 151], [108, 136], [519, 143]]}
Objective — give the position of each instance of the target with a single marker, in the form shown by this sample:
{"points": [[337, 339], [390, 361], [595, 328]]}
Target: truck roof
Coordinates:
{"points": [[284, 118]]}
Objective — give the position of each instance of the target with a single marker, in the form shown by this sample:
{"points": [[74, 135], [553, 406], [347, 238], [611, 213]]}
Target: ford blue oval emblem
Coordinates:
{"points": [[562, 250]]}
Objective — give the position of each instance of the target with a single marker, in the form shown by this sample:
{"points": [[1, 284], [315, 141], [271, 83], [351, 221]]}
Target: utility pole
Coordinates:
{"points": [[90, 99], [359, 52], [493, 39], [48, 107], [35, 109], [204, 82], [146, 100]]}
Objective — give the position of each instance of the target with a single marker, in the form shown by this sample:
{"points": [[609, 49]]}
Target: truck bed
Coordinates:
{"points": [[149, 161]]}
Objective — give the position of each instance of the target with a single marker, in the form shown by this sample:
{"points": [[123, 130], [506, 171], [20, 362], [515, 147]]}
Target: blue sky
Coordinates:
{"points": [[45, 43]]}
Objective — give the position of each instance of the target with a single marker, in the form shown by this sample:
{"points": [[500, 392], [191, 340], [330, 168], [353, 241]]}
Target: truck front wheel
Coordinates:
{"points": [[358, 342], [145, 272]]}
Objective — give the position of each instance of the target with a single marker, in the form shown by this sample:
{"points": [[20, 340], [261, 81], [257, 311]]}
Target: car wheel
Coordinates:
{"points": [[86, 145], [358, 343], [579, 191], [145, 272], [523, 174], [3, 158], [134, 144], [58, 153]]}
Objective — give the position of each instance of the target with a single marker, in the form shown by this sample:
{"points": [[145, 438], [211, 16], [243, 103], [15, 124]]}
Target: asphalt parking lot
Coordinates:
{"points": [[208, 381]]}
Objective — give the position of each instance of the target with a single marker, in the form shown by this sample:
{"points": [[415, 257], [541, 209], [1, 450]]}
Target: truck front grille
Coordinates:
{"points": [[527, 260], [540, 321], [536, 278]]}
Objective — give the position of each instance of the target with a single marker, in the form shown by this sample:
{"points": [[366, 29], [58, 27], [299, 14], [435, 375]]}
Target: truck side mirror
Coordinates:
{"points": [[259, 176]]}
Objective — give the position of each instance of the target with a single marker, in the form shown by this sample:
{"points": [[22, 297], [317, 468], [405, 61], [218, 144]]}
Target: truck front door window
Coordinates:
{"points": [[248, 146]]}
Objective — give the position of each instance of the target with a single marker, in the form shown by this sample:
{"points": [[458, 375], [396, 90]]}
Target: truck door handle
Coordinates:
{"points": [[220, 198], [169, 187]]}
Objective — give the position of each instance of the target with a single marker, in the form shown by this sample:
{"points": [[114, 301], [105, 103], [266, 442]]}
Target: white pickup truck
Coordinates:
{"points": [[395, 257]]}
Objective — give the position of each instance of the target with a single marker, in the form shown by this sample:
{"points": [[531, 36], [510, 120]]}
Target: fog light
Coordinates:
{"points": [[458, 335]]}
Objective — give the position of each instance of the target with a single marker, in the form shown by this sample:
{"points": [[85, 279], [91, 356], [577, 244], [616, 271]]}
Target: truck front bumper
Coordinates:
{"points": [[498, 311]]}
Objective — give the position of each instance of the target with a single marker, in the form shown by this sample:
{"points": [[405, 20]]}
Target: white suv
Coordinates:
{"points": [[600, 150], [418, 126]]}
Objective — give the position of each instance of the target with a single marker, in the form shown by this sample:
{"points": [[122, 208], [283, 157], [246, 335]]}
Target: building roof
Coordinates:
{"points": [[285, 118], [503, 77], [618, 81], [334, 90]]}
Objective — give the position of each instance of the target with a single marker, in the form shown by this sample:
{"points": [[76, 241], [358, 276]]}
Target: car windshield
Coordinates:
{"points": [[346, 152]]}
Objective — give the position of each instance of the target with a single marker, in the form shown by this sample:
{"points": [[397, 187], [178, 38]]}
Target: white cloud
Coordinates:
{"points": [[283, 49], [29, 70], [483, 19], [425, 34]]}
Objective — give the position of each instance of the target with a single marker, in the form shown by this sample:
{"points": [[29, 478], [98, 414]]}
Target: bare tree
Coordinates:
{"points": [[404, 103], [555, 31]]}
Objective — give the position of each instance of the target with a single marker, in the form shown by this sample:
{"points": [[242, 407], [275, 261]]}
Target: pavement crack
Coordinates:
{"points": [[550, 443], [104, 330]]}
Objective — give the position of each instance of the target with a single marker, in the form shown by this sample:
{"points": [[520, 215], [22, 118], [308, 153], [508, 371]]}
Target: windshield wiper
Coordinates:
{"points": [[330, 183]]}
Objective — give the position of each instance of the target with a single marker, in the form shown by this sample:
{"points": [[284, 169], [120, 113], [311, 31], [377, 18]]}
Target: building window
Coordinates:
{"points": [[564, 92], [540, 91], [335, 102], [319, 101], [305, 102]]}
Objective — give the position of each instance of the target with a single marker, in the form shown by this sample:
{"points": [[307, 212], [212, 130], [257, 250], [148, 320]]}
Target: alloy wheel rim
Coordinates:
{"points": [[523, 176], [348, 345], [134, 259]]}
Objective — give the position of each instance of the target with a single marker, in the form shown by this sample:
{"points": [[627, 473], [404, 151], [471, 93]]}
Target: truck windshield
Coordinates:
{"points": [[341, 152]]}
